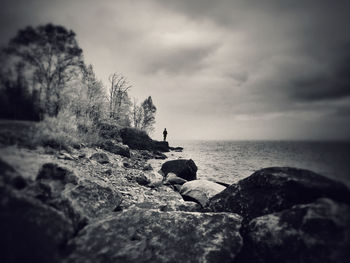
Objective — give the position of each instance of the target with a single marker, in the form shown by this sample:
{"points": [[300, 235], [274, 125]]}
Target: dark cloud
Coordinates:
{"points": [[263, 68]]}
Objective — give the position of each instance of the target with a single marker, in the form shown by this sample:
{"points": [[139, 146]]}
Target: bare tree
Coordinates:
{"points": [[118, 95]]}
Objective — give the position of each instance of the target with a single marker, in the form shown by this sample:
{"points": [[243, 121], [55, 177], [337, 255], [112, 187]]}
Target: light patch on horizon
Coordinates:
{"points": [[216, 69]]}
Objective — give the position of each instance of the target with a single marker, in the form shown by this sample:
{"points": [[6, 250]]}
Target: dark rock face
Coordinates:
{"points": [[176, 149], [30, 230], [200, 191], [274, 189], [101, 158], [139, 140], [185, 169], [139, 235], [116, 148], [316, 232]]}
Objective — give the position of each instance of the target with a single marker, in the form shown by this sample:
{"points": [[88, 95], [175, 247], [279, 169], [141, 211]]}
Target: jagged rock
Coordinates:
{"points": [[81, 201], [172, 179], [30, 230], [274, 189], [101, 158], [9, 176], [316, 232], [185, 169], [116, 148], [51, 171], [200, 191], [140, 235]]}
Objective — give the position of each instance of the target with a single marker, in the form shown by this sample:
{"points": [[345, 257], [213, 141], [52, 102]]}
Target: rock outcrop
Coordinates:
{"points": [[315, 232], [140, 235], [116, 148], [273, 189], [185, 169], [200, 191], [30, 230]]}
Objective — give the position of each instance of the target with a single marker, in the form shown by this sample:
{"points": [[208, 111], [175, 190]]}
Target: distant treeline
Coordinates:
{"points": [[43, 75]]}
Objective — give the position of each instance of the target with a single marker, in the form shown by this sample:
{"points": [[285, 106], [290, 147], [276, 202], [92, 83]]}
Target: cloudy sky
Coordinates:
{"points": [[219, 69]]}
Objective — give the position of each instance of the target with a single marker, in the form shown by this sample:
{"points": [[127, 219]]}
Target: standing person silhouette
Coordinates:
{"points": [[165, 133]]}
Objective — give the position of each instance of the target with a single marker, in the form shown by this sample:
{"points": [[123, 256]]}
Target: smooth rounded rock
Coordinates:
{"points": [[200, 191]]}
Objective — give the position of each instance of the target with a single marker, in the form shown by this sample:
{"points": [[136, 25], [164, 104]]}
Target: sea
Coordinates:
{"points": [[231, 161]]}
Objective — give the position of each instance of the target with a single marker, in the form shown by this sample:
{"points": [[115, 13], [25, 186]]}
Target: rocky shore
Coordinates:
{"points": [[108, 204]]}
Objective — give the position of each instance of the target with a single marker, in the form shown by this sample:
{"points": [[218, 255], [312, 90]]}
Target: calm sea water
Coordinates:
{"points": [[230, 161]]}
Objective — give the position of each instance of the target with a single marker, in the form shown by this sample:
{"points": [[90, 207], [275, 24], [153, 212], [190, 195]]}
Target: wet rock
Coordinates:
{"points": [[101, 158], [116, 148], [185, 169], [30, 230], [274, 189], [52, 171], [9, 176], [316, 232], [200, 191], [140, 235]]}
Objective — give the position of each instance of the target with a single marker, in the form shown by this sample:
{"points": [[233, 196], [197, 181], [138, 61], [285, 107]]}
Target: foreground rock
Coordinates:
{"points": [[30, 230], [200, 191], [185, 169], [9, 176], [80, 200], [139, 235], [316, 232], [273, 189]]}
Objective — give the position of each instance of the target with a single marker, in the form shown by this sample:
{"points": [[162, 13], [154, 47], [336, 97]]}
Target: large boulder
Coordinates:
{"points": [[80, 200], [313, 233], [139, 235], [30, 230], [116, 148], [200, 191], [183, 168], [273, 189]]}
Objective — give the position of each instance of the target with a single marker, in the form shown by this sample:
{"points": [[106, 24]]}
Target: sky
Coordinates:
{"points": [[216, 70]]}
